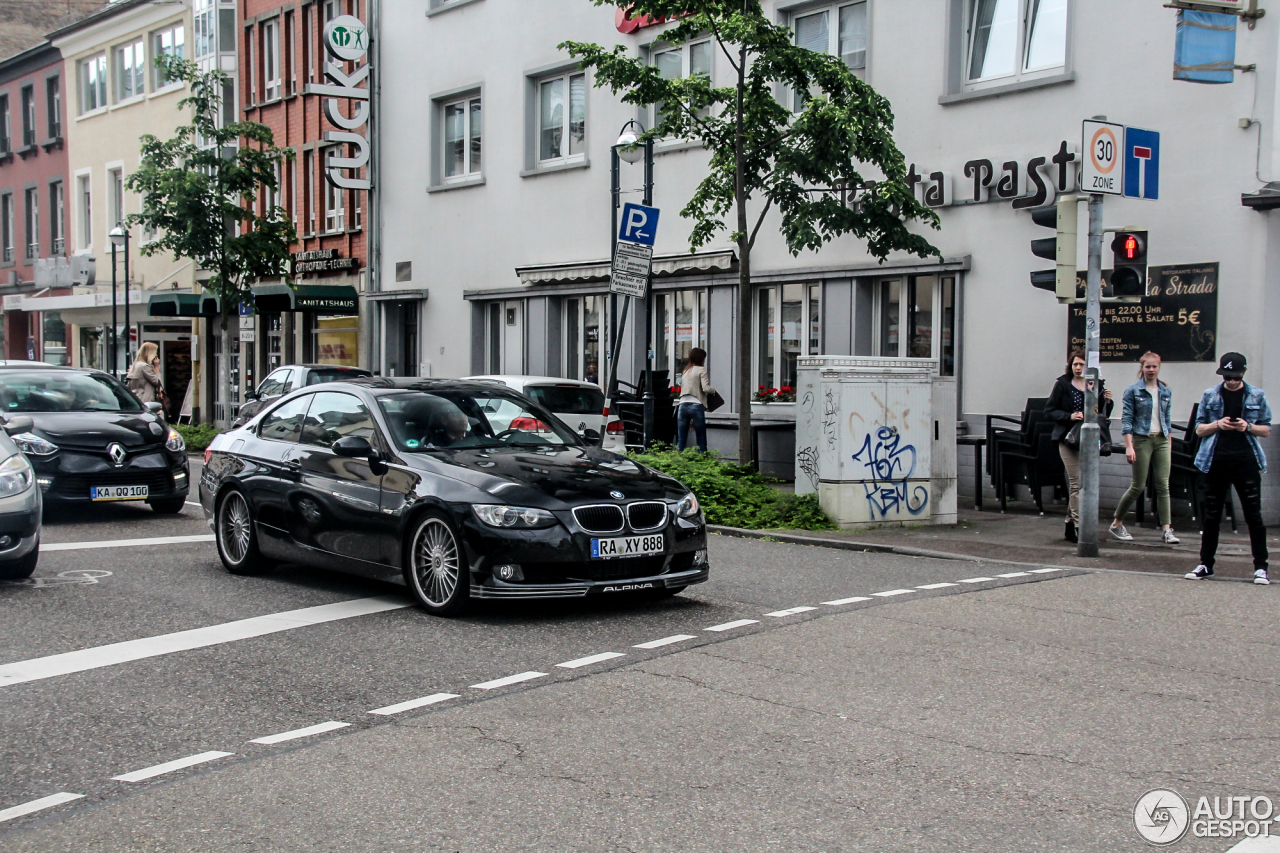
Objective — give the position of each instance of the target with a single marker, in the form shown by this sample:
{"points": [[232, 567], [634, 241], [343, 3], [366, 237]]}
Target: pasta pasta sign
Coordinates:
{"points": [[1033, 183], [346, 40], [628, 21]]}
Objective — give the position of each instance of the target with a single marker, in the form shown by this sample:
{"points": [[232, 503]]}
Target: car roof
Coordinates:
{"points": [[518, 382], [44, 365], [419, 383], [361, 370], [14, 362]]}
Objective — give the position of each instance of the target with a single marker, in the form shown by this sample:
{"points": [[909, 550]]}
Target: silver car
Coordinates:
{"points": [[579, 404], [20, 505]]}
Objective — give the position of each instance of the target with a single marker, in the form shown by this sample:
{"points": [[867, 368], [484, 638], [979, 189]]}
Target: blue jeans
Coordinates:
{"points": [[694, 413]]}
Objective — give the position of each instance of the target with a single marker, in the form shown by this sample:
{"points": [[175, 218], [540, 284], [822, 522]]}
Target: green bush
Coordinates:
{"points": [[736, 495], [197, 436]]}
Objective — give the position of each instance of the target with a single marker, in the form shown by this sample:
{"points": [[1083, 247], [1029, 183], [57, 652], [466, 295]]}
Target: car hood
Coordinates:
{"points": [[98, 429], [565, 475]]}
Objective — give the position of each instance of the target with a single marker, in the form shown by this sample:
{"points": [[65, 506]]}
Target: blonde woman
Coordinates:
{"points": [[1145, 423], [142, 379]]}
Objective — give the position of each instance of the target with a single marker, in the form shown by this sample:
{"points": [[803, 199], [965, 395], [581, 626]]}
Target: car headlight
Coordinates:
{"points": [[497, 515], [175, 441], [16, 476], [29, 442], [688, 506]]}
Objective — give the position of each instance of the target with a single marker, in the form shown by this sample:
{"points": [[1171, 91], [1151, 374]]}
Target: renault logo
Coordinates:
{"points": [[116, 452]]}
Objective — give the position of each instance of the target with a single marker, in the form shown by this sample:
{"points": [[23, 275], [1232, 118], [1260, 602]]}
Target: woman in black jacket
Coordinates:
{"points": [[1065, 407]]}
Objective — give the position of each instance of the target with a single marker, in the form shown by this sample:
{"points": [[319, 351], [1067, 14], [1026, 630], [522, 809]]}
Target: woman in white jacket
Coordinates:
{"points": [[142, 379], [691, 405]]}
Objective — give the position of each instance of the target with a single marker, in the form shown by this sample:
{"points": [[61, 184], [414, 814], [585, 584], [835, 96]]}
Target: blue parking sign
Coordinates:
{"points": [[1141, 163], [639, 224]]}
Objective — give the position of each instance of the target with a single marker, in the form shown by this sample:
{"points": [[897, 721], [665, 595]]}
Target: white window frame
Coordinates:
{"points": [[93, 89], [833, 12], [115, 195], [204, 29], [938, 328], [28, 99], [57, 219], [8, 228], [270, 47], [1021, 72], [573, 347], [335, 210], [470, 170], [53, 103], [84, 211], [135, 73], [806, 324], [566, 79], [686, 63], [176, 35], [31, 218], [701, 302]]}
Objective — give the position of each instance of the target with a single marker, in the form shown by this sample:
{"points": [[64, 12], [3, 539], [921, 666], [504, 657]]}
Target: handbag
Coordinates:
{"points": [[1072, 438], [714, 400]]}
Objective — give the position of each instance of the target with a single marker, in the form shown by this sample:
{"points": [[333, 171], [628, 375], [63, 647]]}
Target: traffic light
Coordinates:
{"points": [[1129, 269], [1060, 249]]}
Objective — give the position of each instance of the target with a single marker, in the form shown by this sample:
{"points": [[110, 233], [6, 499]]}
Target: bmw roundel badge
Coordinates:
{"points": [[616, 495]]}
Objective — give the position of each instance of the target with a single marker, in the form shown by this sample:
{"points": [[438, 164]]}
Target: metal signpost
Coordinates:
{"points": [[629, 276]]}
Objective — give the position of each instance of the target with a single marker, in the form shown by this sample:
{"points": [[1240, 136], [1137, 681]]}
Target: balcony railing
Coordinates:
{"points": [[8, 254], [59, 244], [33, 251]]}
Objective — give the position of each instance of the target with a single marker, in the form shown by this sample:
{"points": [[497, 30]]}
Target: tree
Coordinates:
{"points": [[198, 196], [806, 164]]}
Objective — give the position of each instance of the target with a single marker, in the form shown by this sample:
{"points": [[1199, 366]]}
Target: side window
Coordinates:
{"points": [[284, 423], [275, 384], [333, 416]]}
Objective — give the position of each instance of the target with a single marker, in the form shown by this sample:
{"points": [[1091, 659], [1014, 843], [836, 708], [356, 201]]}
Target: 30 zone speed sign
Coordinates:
{"points": [[1104, 158]]}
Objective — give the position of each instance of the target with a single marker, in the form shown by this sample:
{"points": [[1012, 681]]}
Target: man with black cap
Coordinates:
{"points": [[1231, 418]]}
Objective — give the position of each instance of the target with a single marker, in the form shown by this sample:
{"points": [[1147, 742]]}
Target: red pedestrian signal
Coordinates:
{"points": [[1129, 274]]}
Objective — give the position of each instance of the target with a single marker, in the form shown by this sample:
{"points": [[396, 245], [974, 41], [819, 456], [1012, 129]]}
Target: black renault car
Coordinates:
{"points": [[91, 441], [409, 480]]}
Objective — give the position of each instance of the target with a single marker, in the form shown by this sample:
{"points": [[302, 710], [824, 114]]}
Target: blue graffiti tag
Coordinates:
{"points": [[891, 464]]}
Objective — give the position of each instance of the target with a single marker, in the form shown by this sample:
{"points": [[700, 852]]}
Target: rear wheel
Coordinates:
{"points": [[435, 568], [169, 506], [23, 567], [236, 539]]}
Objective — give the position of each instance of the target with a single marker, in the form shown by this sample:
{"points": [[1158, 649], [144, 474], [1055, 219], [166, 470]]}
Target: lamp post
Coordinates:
{"points": [[120, 238], [626, 149], [114, 362]]}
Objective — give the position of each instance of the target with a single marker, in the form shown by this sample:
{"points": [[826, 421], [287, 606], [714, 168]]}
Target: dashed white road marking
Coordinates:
{"points": [[890, 592], [1014, 575], [132, 650], [38, 805], [936, 585], [124, 543], [1044, 571], [737, 623], [840, 601], [976, 580], [791, 611], [665, 641], [318, 729], [587, 661], [170, 766], [421, 702], [510, 679]]}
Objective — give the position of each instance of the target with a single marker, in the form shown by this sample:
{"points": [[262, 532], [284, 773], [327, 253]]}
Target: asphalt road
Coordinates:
{"points": [[927, 719]]}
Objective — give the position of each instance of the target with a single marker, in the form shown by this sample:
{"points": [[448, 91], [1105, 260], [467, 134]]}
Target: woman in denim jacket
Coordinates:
{"points": [[1145, 422]]}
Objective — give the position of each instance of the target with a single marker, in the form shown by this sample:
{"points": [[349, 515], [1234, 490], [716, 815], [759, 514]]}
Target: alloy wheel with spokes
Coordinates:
{"points": [[436, 568], [237, 544]]}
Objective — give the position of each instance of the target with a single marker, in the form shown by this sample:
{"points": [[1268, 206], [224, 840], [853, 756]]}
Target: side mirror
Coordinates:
{"points": [[590, 436], [353, 447], [155, 408], [250, 394], [18, 425]]}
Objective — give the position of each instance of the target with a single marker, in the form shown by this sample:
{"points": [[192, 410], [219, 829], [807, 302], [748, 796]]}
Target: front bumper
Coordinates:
{"points": [[68, 476], [19, 525], [494, 588]]}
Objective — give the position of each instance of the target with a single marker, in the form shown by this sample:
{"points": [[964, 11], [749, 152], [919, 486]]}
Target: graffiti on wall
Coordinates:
{"points": [[890, 464]]}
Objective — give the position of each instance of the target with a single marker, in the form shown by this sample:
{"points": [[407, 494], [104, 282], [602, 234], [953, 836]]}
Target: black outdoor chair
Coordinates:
{"points": [[1036, 466]]}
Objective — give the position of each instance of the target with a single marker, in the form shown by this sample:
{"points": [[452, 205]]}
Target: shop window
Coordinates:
{"points": [[273, 328], [336, 340], [220, 407], [917, 318], [840, 30], [679, 325], [1010, 40], [788, 322], [584, 337], [562, 119], [7, 239], [55, 339], [463, 138], [130, 68], [167, 42]]}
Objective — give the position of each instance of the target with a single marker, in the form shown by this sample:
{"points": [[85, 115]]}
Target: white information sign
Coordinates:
{"points": [[1103, 167], [631, 265]]}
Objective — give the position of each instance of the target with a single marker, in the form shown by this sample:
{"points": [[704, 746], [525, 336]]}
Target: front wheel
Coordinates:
{"points": [[236, 539], [435, 568], [23, 567], [169, 506]]}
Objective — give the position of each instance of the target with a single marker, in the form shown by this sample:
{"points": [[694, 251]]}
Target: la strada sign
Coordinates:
{"points": [[1034, 182]]}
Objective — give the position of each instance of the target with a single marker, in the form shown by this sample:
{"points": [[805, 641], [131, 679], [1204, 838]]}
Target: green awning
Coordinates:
{"points": [[316, 298], [171, 304]]}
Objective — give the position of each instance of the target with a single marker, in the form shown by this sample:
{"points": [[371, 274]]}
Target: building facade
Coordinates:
{"points": [[34, 193], [500, 203]]}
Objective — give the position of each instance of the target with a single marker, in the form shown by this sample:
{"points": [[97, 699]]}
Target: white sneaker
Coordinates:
{"points": [[1167, 537], [1260, 577], [1200, 573], [1118, 531]]}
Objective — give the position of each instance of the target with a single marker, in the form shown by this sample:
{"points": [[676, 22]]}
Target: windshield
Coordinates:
{"points": [[567, 399], [64, 391], [316, 376], [457, 419]]}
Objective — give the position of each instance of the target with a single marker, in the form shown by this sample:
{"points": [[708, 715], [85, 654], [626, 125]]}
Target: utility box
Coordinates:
{"points": [[876, 440]]}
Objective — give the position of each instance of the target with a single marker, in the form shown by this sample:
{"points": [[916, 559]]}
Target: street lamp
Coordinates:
{"points": [[120, 239], [631, 149]]}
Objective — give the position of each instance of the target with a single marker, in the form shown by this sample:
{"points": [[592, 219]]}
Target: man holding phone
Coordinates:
{"points": [[1231, 418]]}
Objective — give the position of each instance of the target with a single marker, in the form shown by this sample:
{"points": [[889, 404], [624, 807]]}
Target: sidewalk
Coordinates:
{"points": [[1026, 537]]}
